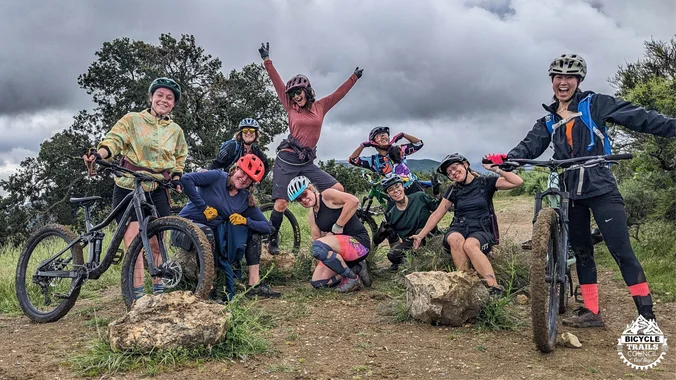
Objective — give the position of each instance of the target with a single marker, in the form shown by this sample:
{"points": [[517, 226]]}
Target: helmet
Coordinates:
{"points": [[298, 81], [450, 160], [168, 84], [297, 186], [390, 180], [249, 123], [569, 64], [252, 166], [377, 130]]}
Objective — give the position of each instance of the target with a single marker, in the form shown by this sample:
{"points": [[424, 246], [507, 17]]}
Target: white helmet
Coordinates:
{"points": [[569, 64], [297, 186]]}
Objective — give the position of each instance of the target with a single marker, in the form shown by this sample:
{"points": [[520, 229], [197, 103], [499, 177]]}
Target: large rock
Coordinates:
{"points": [[444, 298], [169, 321]]}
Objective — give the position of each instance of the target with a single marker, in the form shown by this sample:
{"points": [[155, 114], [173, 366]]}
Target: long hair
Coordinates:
{"points": [[394, 151], [238, 137]]}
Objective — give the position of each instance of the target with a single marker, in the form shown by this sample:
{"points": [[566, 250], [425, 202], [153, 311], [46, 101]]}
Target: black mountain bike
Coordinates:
{"points": [[552, 259], [52, 269]]}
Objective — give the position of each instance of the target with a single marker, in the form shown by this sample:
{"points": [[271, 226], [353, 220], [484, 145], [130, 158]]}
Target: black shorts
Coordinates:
{"points": [[485, 239], [158, 198], [285, 170]]}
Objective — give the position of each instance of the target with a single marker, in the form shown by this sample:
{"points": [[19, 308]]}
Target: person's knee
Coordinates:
{"points": [[455, 241], [281, 204], [320, 250]]}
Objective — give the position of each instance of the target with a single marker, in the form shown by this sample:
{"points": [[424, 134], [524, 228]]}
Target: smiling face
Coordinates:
{"points": [[298, 96], [396, 192], [457, 171], [308, 198], [241, 180], [163, 101], [248, 135], [564, 86], [382, 139]]}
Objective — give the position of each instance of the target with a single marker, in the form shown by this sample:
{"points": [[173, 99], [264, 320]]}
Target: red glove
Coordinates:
{"points": [[496, 159], [367, 144]]}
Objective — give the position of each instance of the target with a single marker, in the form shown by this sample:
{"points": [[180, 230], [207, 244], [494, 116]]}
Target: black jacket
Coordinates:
{"points": [[597, 180], [232, 152]]}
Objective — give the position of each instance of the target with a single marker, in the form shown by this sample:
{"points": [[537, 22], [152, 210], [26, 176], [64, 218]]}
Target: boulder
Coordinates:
{"points": [[444, 298], [169, 321]]}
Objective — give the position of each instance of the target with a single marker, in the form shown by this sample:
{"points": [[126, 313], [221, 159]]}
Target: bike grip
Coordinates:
{"points": [[486, 161], [104, 163], [622, 156]]}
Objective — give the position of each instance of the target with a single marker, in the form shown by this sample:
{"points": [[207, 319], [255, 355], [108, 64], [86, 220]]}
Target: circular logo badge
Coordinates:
{"points": [[642, 344]]}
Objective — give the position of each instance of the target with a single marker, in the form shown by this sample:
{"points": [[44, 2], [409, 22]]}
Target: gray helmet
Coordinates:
{"points": [[390, 180], [569, 64], [450, 160], [249, 123], [378, 130]]}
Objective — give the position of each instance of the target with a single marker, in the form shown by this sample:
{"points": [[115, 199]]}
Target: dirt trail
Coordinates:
{"points": [[345, 338]]}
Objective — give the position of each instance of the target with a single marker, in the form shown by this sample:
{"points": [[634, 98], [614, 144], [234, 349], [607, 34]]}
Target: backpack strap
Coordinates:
{"points": [[584, 107]]}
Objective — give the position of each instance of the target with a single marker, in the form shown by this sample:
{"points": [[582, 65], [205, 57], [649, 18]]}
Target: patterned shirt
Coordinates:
{"points": [[148, 142]]}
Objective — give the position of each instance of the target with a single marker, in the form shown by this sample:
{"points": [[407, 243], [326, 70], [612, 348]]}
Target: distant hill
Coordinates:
{"points": [[423, 165]]}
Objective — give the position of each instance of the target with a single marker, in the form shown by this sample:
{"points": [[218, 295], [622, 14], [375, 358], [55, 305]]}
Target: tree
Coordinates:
{"points": [[210, 109]]}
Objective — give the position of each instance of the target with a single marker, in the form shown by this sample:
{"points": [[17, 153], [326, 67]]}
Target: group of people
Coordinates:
{"points": [[222, 205]]}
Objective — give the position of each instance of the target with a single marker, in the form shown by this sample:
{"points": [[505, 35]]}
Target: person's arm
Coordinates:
{"points": [[191, 181], [180, 155], [631, 116], [278, 83], [347, 201], [116, 139], [225, 158], [432, 222], [329, 101], [314, 229], [256, 220], [534, 144]]}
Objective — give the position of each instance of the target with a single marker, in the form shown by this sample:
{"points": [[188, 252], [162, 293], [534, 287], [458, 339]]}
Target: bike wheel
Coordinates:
{"points": [[543, 286], [289, 233], [45, 299], [191, 269]]}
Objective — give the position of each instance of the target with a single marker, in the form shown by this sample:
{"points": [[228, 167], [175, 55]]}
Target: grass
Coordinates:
{"points": [[244, 338]]}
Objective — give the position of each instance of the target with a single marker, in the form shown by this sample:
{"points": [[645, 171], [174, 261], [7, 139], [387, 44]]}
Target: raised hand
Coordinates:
{"points": [[264, 50]]}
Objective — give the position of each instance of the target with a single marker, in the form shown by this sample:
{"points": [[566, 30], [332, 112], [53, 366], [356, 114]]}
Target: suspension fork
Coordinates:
{"points": [[143, 229]]}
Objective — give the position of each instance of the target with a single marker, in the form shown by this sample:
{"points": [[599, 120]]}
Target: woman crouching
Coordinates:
{"points": [[339, 240]]}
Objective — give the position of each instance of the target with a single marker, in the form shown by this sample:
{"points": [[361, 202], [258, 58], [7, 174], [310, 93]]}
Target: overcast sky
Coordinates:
{"points": [[463, 75]]}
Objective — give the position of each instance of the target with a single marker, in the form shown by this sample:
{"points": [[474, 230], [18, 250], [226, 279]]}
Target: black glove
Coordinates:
{"points": [[264, 50], [175, 183], [358, 72]]}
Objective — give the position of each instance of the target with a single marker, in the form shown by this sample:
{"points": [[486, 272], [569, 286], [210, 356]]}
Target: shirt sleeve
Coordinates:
{"points": [[633, 117], [279, 85], [490, 183], [256, 220], [534, 144], [450, 194], [329, 101], [181, 152], [118, 137], [364, 162], [225, 157], [193, 180], [410, 148]]}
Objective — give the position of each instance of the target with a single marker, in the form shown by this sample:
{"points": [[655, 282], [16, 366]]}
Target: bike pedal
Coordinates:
{"points": [[119, 255]]}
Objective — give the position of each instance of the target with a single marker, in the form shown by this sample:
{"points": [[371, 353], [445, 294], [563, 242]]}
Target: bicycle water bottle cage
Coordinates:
{"points": [[86, 201]]}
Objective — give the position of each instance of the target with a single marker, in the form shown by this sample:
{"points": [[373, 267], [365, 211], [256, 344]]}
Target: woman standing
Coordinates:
{"points": [[296, 154]]}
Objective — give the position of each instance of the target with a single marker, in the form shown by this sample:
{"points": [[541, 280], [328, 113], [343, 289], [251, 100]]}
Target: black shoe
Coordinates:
{"points": [[582, 318], [364, 274], [393, 267], [644, 305], [273, 244], [496, 291], [262, 290]]}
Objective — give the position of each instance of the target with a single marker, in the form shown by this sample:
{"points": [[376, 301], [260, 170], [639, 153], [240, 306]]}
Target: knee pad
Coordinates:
{"points": [[320, 250]]}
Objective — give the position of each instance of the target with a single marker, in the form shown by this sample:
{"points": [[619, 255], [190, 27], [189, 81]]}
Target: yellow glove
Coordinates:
{"points": [[237, 219], [210, 213]]}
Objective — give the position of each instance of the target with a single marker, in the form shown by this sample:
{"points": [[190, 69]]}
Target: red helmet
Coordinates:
{"points": [[298, 81], [252, 166]]}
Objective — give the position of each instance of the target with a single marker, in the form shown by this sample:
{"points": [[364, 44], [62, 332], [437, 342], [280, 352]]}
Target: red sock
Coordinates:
{"points": [[590, 296], [639, 289]]}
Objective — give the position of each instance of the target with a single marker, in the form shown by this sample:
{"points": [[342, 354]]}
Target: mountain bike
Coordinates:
{"points": [[552, 259], [51, 268]]}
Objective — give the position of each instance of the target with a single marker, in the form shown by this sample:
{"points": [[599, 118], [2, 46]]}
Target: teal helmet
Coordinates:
{"points": [[168, 84]]}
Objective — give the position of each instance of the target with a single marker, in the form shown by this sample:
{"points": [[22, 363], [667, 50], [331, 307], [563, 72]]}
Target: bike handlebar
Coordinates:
{"points": [[587, 160], [142, 177]]}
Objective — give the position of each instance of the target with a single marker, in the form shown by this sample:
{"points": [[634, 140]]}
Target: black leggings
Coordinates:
{"points": [[611, 217]]}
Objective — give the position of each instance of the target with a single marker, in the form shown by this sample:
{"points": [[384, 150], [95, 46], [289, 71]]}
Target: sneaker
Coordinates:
{"points": [[583, 317], [273, 244], [364, 274], [262, 290], [349, 284], [496, 291], [393, 267]]}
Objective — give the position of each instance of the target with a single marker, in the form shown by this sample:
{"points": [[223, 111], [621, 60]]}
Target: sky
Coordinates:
{"points": [[465, 76]]}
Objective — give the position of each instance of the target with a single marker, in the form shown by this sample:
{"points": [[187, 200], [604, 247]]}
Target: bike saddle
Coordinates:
{"points": [[85, 201]]}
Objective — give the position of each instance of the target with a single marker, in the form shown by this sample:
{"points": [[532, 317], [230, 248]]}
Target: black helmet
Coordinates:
{"points": [[377, 130], [450, 160], [390, 180]]}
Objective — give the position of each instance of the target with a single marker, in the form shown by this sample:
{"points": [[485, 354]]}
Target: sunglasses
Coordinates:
{"points": [[248, 130], [295, 92]]}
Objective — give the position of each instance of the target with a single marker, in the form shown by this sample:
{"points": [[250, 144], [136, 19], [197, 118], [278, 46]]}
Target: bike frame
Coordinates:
{"points": [[93, 237]]}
